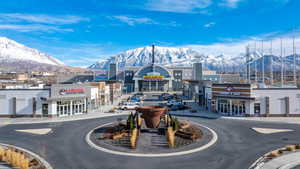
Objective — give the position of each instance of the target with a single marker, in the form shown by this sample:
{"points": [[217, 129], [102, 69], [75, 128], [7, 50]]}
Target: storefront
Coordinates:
{"points": [[231, 99], [71, 107], [231, 107], [69, 99], [250, 100]]}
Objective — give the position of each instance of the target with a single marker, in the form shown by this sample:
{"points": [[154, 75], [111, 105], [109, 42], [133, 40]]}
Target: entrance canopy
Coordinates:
{"points": [[152, 72], [152, 78]]}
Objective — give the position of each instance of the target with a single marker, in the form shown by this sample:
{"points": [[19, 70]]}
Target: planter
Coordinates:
{"points": [[152, 114]]}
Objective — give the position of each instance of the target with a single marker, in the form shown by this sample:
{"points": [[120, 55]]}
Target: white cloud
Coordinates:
{"points": [[42, 19], [178, 6], [33, 28], [208, 25], [134, 20], [236, 47], [231, 3]]}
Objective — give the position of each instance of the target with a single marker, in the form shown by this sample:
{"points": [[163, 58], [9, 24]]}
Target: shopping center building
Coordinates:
{"points": [[58, 99], [250, 100]]}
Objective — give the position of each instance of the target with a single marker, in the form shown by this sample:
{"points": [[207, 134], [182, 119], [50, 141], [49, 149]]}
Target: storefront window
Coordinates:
{"points": [[64, 107], [231, 107]]}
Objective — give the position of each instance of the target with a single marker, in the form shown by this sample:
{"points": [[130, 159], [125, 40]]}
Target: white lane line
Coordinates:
{"points": [[42, 131], [270, 130]]}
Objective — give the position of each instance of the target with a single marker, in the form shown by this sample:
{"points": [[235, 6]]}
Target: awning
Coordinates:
{"points": [[66, 98], [235, 97]]}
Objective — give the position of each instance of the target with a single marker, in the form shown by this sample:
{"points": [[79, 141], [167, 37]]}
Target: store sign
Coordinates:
{"points": [[153, 77], [71, 91], [230, 93], [229, 89]]}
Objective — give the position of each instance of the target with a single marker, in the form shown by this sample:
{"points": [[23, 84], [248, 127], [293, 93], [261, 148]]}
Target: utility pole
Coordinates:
{"points": [[263, 61], [271, 63], [255, 62], [281, 74], [248, 64], [294, 60]]}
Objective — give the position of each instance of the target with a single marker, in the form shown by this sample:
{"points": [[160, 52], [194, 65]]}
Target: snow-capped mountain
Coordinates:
{"points": [[170, 56], [11, 51], [218, 60]]}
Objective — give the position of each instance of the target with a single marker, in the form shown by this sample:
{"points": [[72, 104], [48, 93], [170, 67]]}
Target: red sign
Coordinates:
{"points": [[71, 91], [229, 89]]}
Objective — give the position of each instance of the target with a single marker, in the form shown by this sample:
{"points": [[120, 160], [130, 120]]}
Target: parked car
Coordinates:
{"points": [[141, 96], [178, 107], [172, 102], [136, 100], [166, 96], [129, 106]]}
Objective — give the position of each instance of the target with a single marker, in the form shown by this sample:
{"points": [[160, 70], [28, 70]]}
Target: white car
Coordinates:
{"points": [[173, 102], [129, 106]]}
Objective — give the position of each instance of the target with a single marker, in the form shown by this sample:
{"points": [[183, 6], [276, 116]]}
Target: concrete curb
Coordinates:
{"points": [[42, 160], [291, 165], [212, 142], [260, 162]]}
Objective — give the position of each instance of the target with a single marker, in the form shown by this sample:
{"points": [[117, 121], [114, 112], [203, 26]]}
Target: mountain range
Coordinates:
{"points": [[216, 60], [170, 56], [16, 57]]}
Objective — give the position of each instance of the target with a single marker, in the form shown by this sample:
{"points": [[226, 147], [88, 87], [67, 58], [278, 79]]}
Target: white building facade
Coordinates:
{"points": [[249, 100], [59, 100], [24, 102]]}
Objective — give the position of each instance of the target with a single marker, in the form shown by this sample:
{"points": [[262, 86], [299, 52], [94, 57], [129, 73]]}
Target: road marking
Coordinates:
{"points": [[212, 142], [36, 131], [270, 130]]}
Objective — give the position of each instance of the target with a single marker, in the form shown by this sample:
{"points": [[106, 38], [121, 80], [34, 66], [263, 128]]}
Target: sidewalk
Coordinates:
{"points": [[287, 161], [201, 112]]}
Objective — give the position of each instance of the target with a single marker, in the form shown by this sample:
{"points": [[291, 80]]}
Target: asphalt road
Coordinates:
{"points": [[238, 145]]}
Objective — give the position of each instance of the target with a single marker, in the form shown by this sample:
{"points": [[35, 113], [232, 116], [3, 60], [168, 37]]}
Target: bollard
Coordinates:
{"points": [[22, 161], [18, 161], [13, 158], [1, 153], [133, 138], [25, 163], [4, 158], [171, 137], [8, 156]]}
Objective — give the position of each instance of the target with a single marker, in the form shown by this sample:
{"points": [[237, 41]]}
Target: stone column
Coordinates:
{"points": [[170, 85], [71, 107], [85, 105], [136, 85], [14, 106], [230, 106]]}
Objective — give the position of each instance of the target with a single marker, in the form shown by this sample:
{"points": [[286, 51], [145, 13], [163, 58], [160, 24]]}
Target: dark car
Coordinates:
{"points": [[178, 107]]}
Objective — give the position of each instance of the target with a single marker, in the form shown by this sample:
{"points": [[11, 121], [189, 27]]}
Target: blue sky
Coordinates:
{"points": [[80, 32]]}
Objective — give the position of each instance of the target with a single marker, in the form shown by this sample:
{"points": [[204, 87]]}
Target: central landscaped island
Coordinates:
{"points": [[151, 130]]}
